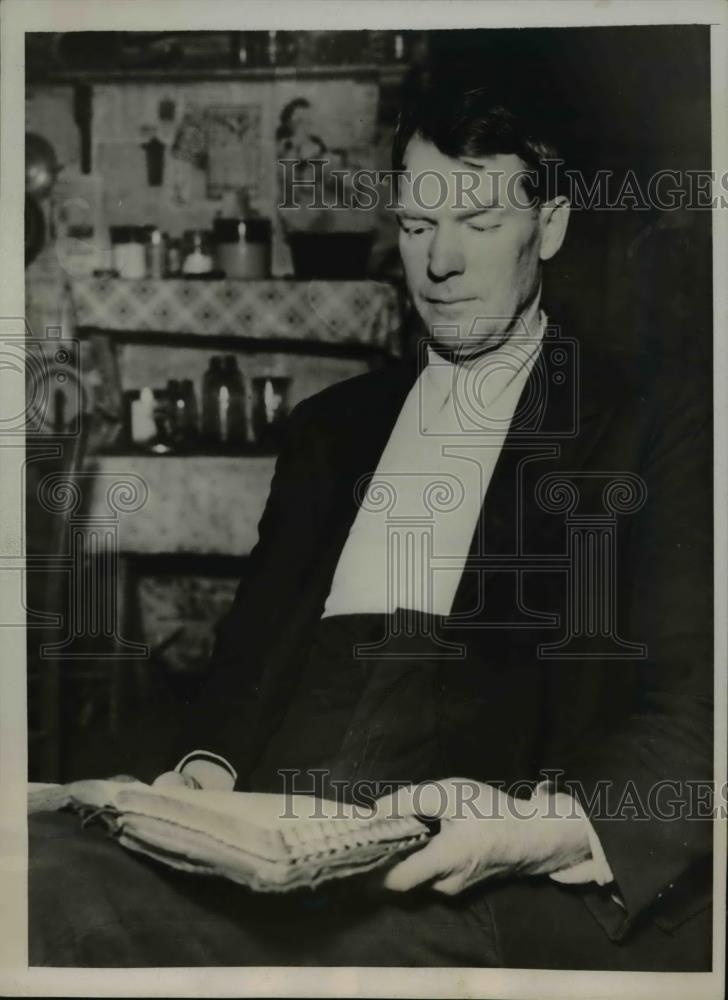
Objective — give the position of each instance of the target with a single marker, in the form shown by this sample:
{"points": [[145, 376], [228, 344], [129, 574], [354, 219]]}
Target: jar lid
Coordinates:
{"points": [[254, 229], [127, 234]]}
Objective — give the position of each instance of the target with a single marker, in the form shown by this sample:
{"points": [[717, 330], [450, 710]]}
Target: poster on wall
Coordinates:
{"points": [[233, 148]]}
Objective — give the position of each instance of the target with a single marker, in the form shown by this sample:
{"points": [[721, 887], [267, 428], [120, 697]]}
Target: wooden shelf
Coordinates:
{"points": [[131, 451], [392, 72], [362, 315], [241, 343]]}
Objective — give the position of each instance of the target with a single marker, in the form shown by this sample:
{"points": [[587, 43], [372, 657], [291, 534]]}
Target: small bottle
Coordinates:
{"points": [[174, 259], [235, 428], [191, 429], [212, 382], [143, 427], [162, 442], [270, 408], [155, 253], [197, 252], [177, 406]]}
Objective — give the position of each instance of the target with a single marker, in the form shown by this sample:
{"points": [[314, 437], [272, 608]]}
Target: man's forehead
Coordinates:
{"points": [[429, 174]]}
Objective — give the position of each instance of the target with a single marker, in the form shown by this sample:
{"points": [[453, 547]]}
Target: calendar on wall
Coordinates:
{"points": [[233, 148]]}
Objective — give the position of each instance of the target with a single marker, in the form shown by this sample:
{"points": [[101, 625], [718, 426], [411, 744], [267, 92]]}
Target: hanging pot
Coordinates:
{"points": [[41, 165]]}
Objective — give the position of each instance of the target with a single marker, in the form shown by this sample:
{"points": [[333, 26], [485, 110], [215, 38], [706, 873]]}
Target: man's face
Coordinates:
{"points": [[471, 270]]}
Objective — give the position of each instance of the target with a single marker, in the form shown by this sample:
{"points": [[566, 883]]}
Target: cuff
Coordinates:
{"points": [[208, 757], [594, 869]]}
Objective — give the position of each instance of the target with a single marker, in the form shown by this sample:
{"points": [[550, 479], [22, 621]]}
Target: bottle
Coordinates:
{"points": [[177, 405], [270, 408], [197, 252], [143, 427], [242, 246], [234, 429], [212, 383], [174, 259], [163, 439], [154, 253], [127, 251], [191, 429]]}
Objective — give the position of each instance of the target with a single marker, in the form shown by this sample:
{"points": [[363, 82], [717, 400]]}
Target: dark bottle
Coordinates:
{"points": [[270, 408], [191, 429], [232, 407], [175, 410], [212, 383], [182, 411]]}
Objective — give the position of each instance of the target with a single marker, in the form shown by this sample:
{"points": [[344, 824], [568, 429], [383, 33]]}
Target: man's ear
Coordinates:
{"points": [[554, 220]]}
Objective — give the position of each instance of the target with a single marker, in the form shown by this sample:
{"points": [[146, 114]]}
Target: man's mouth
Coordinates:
{"points": [[445, 303]]}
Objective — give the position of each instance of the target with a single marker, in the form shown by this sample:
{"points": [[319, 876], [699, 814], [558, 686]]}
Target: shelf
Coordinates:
{"points": [[240, 342], [393, 72], [359, 314], [131, 451]]}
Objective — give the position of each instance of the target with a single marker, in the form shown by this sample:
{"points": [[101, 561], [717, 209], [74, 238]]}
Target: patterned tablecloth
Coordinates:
{"points": [[336, 312]]}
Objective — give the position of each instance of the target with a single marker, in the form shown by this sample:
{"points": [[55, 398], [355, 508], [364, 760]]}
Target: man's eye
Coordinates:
{"points": [[484, 229], [414, 230]]}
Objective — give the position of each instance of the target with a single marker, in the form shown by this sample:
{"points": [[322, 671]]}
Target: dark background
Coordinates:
{"points": [[617, 99]]}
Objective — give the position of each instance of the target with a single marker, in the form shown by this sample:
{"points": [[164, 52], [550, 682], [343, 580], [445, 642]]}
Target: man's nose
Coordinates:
{"points": [[445, 256]]}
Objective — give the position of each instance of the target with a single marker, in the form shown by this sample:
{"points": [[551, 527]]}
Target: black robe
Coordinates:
{"points": [[603, 490]]}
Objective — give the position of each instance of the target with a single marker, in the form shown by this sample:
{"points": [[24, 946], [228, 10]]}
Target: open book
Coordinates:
{"points": [[271, 843]]}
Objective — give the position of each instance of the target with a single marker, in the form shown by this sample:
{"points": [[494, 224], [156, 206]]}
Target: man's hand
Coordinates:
{"points": [[484, 833]]}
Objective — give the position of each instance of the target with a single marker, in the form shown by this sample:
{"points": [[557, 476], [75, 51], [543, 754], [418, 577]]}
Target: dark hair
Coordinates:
{"points": [[287, 113], [471, 123]]}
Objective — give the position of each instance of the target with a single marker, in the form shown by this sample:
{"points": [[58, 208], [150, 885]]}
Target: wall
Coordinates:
{"points": [[344, 114], [176, 613]]}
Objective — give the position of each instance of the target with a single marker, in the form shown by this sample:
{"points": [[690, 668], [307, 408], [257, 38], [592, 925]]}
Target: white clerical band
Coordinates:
{"points": [[211, 758]]}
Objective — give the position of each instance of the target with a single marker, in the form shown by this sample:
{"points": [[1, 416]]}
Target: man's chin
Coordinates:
{"points": [[463, 344]]}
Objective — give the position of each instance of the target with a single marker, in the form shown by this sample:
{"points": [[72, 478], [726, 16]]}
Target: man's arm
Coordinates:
{"points": [[651, 767], [666, 740]]}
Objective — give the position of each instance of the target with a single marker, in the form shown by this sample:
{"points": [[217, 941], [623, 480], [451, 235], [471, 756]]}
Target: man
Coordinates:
{"points": [[489, 565]]}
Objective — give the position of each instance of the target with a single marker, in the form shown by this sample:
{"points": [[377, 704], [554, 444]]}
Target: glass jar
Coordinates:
{"points": [[173, 262], [242, 247], [197, 251], [270, 409], [127, 251], [155, 252]]}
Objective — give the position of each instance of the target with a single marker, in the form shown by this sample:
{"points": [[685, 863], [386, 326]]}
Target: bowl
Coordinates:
{"points": [[331, 255]]}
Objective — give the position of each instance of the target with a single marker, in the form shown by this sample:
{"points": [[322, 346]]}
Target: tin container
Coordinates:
{"points": [[242, 247], [127, 251]]}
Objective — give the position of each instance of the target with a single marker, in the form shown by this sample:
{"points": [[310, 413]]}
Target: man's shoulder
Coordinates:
{"points": [[356, 397], [642, 378]]}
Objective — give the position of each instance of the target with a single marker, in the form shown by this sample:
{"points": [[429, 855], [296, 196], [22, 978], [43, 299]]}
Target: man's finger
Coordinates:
{"points": [[418, 868], [450, 886]]}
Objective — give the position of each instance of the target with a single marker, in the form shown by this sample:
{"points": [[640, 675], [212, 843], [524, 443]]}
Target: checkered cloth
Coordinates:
{"points": [[337, 312]]}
